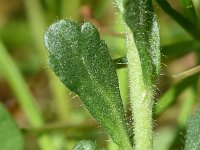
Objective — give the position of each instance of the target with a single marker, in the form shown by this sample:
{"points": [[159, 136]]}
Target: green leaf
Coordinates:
{"points": [[10, 136], [189, 11], [141, 19], [179, 49], [85, 145], [170, 96], [83, 63], [180, 19], [188, 103], [193, 132]]}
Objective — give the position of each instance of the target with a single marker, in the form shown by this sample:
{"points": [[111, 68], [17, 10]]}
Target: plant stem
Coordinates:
{"points": [[38, 25], [187, 73], [141, 100], [143, 56], [70, 10], [37, 22]]}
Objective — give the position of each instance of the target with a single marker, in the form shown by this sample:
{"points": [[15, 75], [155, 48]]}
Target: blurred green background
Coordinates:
{"points": [[52, 117]]}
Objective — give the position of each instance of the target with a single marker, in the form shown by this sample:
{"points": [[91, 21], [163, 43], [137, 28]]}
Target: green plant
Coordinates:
{"points": [[91, 68], [24, 96], [82, 61], [11, 137]]}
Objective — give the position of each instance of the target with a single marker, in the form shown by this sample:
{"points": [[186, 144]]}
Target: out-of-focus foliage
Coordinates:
{"points": [[22, 26], [10, 137]]}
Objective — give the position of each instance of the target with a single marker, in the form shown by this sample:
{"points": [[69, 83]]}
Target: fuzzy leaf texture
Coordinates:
{"points": [[193, 132], [85, 145], [83, 63], [141, 19]]}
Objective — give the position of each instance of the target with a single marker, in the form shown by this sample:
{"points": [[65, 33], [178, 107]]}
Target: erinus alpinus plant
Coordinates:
{"points": [[81, 59], [132, 64]]}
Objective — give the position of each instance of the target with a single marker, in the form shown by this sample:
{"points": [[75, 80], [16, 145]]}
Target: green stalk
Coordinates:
{"points": [[70, 9], [24, 96], [38, 25], [141, 98], [143, 56], [37, 22], [187, 73], [60, 98]]}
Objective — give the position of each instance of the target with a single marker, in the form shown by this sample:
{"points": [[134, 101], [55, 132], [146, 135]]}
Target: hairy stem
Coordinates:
{"points": [[141, 101], [143, 56]]}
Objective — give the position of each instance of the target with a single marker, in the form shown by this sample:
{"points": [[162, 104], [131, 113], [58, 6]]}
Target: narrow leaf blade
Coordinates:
{"points": [[189, 11], [170, 96], [141, 19]]}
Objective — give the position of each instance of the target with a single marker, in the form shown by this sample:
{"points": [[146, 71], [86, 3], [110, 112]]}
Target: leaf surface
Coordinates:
{"points": [[85, 145], [83, 63], [141, 19], [10, 136], [193, 132]]}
